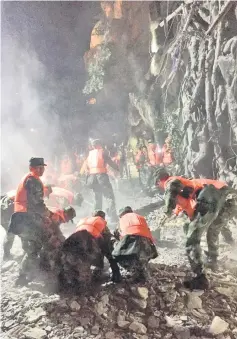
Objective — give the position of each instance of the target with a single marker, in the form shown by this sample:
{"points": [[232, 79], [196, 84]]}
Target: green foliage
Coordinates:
{"points": [[96, 70]]}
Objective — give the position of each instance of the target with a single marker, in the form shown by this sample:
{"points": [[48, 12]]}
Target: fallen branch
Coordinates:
{"points": [[172, 15], [220, 16]]}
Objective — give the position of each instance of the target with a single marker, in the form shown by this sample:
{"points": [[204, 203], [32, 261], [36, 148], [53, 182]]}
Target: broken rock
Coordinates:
{"points": [[95, 329], [34, 315], [141, 303], [138, 328], [75, 306], [35, 333], [218, 326], [193, 301], [123, 324], [142, 292], [153, 322]]}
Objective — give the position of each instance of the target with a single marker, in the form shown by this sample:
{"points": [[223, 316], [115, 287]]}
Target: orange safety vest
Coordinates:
{"points": [[134, 224], [59, 192], [95, 161], [187, 205], [218, 184], [66, 166], [94, 225], [20, 203], [167, 157]]}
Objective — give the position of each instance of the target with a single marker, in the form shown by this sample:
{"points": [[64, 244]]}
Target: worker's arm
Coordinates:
{"points": [[35, 197], [110, 162], [173, 188]]}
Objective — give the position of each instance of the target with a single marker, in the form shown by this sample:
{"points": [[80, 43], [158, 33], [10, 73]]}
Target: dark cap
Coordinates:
{"points": [[34, 162], [125, 210], [99, 213]]}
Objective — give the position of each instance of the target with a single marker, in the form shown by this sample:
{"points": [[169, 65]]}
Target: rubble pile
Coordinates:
{"points": [[160, 309]]}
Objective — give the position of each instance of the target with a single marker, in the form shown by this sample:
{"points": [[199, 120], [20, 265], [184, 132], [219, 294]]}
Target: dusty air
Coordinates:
{"points": [[118, 169]]}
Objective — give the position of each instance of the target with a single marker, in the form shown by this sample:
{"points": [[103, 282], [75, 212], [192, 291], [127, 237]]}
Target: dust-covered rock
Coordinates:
{"points": [[218, 326], [35, 333], [138, 327]]}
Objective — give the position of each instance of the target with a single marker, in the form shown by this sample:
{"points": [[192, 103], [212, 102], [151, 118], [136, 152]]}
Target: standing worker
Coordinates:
{"points": [[31, 217], [98, 179]]}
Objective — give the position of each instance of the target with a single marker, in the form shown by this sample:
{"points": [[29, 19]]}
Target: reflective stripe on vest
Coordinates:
{"points": [[93, 225], [95, 161], [20, 203], [134, 224]]}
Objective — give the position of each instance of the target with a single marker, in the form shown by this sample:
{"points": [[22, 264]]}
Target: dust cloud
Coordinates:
{"points": [[28, 127]]}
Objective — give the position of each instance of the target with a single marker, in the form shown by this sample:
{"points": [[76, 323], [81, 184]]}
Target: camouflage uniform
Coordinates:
{"points": [[133, 252], [31, 226], [81, 251], [215, 207], [101, 186], [7, 209]]}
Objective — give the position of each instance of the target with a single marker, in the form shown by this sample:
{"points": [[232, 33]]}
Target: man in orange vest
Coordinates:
{"points": [[208, 204], [59, 197], [98, 179], [31, 218], [136, 247], [87, 247]]}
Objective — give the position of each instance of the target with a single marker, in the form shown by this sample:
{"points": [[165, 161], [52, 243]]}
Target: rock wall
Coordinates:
{"points": [[170, 67]]}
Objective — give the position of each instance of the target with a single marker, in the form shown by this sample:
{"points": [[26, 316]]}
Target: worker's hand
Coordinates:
{"points": [[116, 234]]}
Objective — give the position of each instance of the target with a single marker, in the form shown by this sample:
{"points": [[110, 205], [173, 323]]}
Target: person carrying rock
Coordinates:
{"points": [[136, 246], [31, 219], [86, 247], [98, 179], [209, 204]]}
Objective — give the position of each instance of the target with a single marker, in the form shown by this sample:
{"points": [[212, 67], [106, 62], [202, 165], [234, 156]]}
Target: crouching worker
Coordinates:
{"points": [[136, 246], [55, 238], [87, 247], [7, 209]]}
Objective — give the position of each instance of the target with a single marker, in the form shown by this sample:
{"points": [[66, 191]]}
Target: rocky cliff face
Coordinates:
{"points": [[170, 67]]}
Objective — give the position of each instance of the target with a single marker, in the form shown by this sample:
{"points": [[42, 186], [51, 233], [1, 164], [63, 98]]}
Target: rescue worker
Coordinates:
{"points": [[7, 209], [98, 179], [31, 218], [50, 248], [154, 159], [136, 247], [58, 197], [167, 156], [87, 246], [209, 205]]}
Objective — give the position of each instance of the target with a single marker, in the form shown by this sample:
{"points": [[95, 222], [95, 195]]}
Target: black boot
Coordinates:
{"points": [[200, 282]]}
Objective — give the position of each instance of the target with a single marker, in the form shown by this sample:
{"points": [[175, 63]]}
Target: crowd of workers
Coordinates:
{"points": [[35, 211]]}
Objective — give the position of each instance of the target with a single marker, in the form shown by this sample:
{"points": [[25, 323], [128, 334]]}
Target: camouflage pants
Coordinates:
{"points": [[133, 253], [102, 187], [33, 236], [78, 253], [213, 222]]}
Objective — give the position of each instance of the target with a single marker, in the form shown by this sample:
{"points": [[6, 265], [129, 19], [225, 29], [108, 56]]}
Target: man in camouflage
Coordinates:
{"points": [[7, 209], [31, 219], [135, 247], [209, 204], [86, 247], [98, 179]]}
